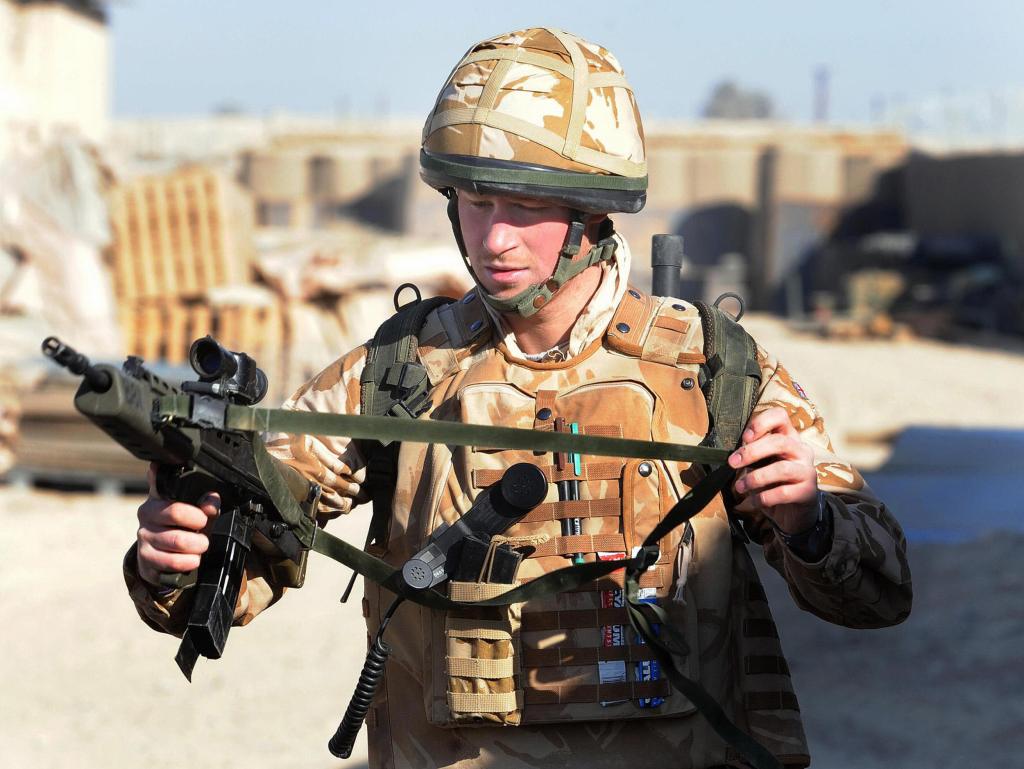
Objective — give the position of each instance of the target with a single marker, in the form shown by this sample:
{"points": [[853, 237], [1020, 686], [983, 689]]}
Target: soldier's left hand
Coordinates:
{"points": [[776, 472]]}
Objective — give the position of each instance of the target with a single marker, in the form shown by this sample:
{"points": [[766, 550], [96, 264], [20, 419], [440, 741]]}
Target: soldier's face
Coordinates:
{"points": [[511, 243]]}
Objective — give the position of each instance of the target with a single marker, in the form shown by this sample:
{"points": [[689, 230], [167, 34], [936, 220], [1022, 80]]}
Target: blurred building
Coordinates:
{"points": [[54, 71], [758, 193]]}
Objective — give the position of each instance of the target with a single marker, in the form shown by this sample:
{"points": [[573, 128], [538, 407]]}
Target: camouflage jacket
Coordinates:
{"points": [[713, 590]]}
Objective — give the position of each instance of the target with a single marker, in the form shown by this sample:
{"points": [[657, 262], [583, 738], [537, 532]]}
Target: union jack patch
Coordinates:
{"points": [[800, 391]]}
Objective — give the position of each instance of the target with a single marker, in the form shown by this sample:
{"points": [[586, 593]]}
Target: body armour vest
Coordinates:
{"points": [[572, 656]]}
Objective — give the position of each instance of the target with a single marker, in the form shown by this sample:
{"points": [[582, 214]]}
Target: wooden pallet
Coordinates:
{"points": [[176, 236], [58, 447], [163, 330]]}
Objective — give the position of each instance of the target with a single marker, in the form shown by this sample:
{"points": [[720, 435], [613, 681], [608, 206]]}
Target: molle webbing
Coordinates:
{"points": [[574, 619], [580, 543], [560, 656], [548, 424], [561, 694], [573, 508], [595, 471]]}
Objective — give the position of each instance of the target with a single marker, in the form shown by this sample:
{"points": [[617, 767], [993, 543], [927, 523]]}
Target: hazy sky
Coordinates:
{"points": [[174, 57]]}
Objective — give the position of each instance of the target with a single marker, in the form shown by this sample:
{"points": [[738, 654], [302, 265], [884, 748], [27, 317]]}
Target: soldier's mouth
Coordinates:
{"points": [[505, 275]]}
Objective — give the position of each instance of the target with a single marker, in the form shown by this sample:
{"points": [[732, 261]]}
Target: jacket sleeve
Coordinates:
{"points": [[864, 579], [335, 463]]}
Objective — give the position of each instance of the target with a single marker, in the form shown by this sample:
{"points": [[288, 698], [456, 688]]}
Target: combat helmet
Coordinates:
{"points": [[544, 114]]}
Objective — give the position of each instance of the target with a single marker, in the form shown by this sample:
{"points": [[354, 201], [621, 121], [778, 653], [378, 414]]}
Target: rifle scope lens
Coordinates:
{"points": [[210, 360]]}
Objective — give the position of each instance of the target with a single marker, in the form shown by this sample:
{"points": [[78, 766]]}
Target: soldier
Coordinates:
{"points": [[535, 139]]}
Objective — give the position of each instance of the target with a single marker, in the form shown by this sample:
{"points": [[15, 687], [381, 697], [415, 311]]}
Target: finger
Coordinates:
{"points": [[773, 445], [151, 480], [157, 513], [773, 420], [773, 474], [746, 507], [210, 504], [153, 562], [174, 540], [787, 494]]}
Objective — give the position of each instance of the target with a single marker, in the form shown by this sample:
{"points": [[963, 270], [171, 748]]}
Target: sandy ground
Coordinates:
{"points": [[942, 690], [85, 684], [873, 388]]}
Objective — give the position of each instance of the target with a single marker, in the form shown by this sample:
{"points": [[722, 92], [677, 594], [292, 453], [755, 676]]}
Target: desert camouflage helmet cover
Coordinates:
{"points": [[539, 113]]}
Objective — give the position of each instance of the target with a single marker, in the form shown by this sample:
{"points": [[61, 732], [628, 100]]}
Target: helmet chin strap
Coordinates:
{"points": [[532, 299]]}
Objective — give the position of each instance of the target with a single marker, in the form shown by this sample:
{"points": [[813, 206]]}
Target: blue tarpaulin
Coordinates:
{"points": [[947, 484]]}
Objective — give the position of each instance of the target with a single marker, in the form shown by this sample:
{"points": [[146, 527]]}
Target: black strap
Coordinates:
{"points": [[393, 383], [666, 643]]}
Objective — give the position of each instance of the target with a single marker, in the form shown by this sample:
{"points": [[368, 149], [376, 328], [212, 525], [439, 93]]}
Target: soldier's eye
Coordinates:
{"points": [[531, 205]]}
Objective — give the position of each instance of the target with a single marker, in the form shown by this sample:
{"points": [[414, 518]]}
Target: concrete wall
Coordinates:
{"points": [[304, 185]]}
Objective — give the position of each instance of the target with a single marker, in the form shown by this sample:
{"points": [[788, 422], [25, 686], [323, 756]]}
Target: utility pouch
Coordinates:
{"points": [[482, 658]]}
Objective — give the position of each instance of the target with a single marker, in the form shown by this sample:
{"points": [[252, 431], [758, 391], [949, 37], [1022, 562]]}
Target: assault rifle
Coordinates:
{"points": [[198, 455]]}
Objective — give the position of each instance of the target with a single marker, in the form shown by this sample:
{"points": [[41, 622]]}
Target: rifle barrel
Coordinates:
{"points": [[76, 363]]}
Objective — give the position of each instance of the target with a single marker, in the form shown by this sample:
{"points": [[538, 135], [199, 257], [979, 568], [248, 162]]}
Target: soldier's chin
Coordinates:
{"points": [[504, 290]]}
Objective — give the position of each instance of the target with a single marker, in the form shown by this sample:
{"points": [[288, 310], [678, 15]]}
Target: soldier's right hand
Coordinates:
{"points": [[170, 537]]}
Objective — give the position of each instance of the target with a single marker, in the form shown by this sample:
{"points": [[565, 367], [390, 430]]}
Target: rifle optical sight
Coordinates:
{"points": [[234, 374]]}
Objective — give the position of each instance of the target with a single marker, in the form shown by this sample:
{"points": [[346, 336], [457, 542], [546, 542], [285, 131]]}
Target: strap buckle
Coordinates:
{"points": [[645, 558], [409, 387], [208, 411]]}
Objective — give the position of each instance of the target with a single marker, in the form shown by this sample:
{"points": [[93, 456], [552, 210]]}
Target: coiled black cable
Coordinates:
{"points": [[370, 678]]}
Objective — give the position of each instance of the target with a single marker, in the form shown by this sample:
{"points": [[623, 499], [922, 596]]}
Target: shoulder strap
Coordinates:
{"points": [[731, 376], [393, 383]]}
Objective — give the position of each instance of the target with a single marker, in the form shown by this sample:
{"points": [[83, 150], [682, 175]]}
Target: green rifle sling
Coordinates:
{"points": [[437, 431]]}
